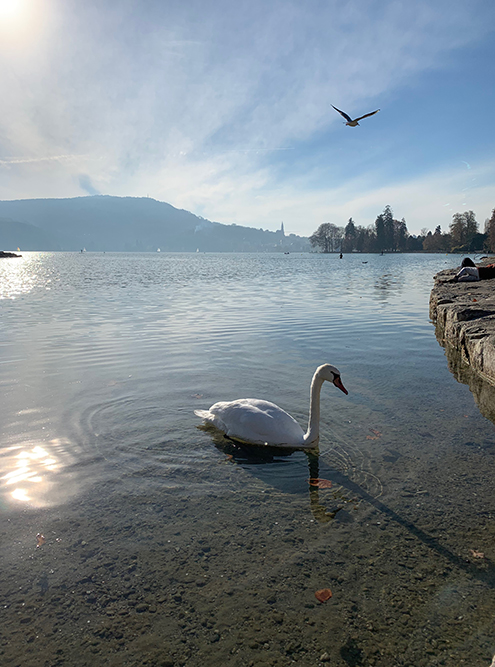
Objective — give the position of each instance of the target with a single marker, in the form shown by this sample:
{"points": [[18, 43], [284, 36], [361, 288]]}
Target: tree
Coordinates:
{"points": [[366, 239], [490, 232], [350, 236], [458, 230], [471, 226], [388, 228], [464, 231], [328, 237], [414, 243], [430, 244], [437, 242], [380, 232], [400, 235]]}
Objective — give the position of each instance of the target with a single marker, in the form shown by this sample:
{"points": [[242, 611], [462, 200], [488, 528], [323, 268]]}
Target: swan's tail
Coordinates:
{"points": [[204, 414], [211, 419]]}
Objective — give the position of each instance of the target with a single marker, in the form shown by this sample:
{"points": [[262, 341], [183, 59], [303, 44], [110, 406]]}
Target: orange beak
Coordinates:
{"points": [[338, 383]]}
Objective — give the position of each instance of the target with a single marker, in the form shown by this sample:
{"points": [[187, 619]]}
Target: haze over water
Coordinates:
{"points": [[104, 358]]}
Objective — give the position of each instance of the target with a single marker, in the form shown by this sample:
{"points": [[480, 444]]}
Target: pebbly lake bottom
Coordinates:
{"points": [[164, 544], [130, 577]]}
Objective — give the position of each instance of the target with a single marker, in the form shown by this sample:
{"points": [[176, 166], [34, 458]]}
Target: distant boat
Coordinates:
{"points": [[197, 249], [158, 250]]}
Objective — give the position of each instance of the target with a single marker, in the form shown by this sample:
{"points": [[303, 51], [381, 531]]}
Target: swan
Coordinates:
{"points": [[259, 422]]}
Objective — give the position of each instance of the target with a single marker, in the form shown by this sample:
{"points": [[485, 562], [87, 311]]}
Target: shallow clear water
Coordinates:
{"points": [[103, 359]]}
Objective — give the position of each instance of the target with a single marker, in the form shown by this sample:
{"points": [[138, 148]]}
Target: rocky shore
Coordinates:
{"points": [[464, 315], [4, 253]]}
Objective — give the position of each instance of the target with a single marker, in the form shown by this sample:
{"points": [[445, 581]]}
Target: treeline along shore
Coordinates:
{"points": [[142, 224], [390, 235]]}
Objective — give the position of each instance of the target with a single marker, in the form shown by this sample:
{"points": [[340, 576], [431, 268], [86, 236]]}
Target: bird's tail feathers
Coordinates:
{"points": [[204, 414]]}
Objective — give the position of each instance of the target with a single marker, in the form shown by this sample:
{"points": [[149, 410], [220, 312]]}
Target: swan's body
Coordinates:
{"points": [[353, 122], [260, 422]]}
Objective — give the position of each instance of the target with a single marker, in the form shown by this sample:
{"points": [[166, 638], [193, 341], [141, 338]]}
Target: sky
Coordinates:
{"points": [[225, 108]]}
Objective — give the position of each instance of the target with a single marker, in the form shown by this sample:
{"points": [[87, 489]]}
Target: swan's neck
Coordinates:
{"points": [[313, 431]]}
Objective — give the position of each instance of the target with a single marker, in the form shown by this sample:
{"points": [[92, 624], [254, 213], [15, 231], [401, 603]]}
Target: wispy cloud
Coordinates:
{"points": [[421, 200], [198, 105], [33, 160]]}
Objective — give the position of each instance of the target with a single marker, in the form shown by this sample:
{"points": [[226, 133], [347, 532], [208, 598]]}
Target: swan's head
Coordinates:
{"points": [[331, 374]]}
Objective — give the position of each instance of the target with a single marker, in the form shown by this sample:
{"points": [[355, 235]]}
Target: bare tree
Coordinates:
{"points": [[490, 232], [328, 237], [463, 229]]}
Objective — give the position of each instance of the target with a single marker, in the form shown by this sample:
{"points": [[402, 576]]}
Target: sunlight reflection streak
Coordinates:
{"points": [[31, 466]]}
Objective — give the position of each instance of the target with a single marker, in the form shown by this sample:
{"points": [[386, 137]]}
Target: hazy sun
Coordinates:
{"points": [[21, 22], [10, 8]]}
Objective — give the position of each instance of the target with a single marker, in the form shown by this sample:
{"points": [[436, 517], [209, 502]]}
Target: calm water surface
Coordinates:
{"points": [[103, 359]]}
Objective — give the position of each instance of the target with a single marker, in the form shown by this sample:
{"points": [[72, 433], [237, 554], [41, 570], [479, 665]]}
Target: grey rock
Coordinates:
{"points": [[464, 316]]}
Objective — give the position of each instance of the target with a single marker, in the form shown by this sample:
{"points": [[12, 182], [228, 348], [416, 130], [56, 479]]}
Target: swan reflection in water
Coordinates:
{"points": [[254, 432], [289, 470]]}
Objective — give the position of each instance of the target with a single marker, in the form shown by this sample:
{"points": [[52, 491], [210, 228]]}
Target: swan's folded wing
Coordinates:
{"points": [[260, 422], [254, 421]]}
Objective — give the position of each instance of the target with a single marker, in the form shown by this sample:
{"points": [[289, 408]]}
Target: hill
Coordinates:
{"points": [[15, 234], [127, 224]]}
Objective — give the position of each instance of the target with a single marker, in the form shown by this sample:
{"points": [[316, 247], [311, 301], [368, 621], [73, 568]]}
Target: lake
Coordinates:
{"points": [[132, 537]]}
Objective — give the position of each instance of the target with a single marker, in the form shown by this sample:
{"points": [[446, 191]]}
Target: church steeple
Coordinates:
{"points": [[282, 229]]}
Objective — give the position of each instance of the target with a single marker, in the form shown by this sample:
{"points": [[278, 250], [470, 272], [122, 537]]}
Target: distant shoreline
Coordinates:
{"points": [[4, 253]]}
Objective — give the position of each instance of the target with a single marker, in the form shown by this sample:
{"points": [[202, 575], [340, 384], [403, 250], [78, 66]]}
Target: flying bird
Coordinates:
{"points": [[353, 123]]}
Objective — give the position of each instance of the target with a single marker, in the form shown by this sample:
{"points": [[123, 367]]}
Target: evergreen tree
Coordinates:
{"points": [[350, 236], [388, 228], [360, 239], [400, 235], [380, 232]]}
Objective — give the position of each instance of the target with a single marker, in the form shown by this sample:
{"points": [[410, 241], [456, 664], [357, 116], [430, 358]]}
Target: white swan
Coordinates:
{"points": [[260, 422]]}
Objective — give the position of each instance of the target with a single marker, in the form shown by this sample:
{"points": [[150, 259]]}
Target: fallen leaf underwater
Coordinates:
{"points": [[323, 595], [320, 483]]}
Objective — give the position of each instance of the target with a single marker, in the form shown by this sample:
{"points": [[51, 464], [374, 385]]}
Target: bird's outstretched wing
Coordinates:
{"points": [[368, 114], [342, 113]]}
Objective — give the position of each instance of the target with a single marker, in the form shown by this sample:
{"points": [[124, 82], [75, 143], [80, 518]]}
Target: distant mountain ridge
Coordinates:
{"points": [[15, 235], [103, 222]]}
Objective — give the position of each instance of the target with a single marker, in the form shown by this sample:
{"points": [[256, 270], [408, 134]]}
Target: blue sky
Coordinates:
{"points": [[224, 108]]}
